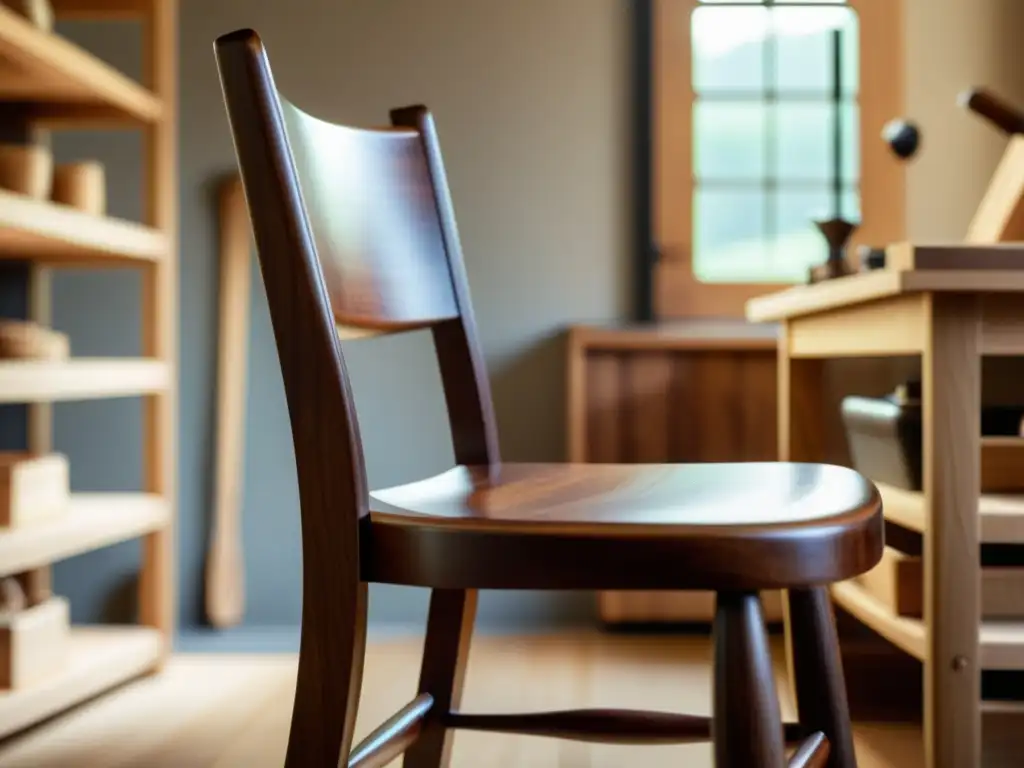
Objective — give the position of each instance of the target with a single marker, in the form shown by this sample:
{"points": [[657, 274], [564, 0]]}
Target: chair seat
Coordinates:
{"points": [[626, 526]]}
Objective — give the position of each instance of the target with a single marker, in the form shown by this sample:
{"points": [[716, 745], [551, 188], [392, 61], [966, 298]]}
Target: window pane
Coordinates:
{"points": [[851, 55], [798, 243], [728, 140], [805, 45], [728, 48], [797, 209], [804, 141], [730, 240], [850, 115], [851, 205], [765, 125]]}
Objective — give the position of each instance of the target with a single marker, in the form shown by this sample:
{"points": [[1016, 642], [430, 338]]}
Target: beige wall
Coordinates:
{"points": [[952, 45]]}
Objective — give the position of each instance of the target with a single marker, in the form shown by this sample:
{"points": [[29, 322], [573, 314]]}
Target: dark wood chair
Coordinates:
{"points": [[355, 230]]}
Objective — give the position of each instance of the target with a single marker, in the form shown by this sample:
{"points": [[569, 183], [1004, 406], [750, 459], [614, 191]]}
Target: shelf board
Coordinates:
{"points": [[55, 78], [60, 234], [1002, 642], [94, 520], [100, 658], [84, 378], [1002, 515]]}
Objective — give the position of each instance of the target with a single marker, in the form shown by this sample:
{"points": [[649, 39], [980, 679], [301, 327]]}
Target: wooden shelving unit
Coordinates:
{"points": [[1001, 519], [52, 84]]}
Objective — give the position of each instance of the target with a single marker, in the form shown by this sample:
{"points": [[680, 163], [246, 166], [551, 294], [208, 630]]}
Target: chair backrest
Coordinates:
{"points": [[353, 228]]}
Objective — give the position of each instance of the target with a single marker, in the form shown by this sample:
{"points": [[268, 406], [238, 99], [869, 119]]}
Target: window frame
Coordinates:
{"points": [[673, 290]]}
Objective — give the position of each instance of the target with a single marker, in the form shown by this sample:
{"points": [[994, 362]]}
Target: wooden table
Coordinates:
{"points": [[949, 319]]}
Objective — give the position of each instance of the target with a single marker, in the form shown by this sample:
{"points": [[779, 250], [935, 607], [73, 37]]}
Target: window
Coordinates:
{"points": [[767, 117], [775, 135]]}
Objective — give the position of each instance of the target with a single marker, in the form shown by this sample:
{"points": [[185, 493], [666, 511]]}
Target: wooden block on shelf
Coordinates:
{"points": [[898, 583], [26, 169], [26, 340], [32, 488], [82, 186], [37, 585], [1002, 464], [34, 643]]}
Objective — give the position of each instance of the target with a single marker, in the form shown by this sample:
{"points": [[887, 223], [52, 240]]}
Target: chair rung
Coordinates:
{"points": [[607, 726], [812, 753], [394, 735]]}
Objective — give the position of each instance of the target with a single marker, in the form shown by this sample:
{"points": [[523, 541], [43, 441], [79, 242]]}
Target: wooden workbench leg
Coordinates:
{"points": [[951, 389], [801, 392]]}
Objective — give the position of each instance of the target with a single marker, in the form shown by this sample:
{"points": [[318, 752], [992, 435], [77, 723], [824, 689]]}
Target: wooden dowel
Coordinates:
{"points": [[813, 753], [987, 105], [393, 736]]}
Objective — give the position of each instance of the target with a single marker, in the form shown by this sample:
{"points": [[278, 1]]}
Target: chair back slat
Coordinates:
{"points": [[368, 198]]}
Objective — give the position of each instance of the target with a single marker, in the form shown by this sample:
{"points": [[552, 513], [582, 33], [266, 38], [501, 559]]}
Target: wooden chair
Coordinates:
{"points": [[355, 231]]}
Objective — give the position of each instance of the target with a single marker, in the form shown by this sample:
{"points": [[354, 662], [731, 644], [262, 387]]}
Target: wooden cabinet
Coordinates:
{"points": [[681, 392]]}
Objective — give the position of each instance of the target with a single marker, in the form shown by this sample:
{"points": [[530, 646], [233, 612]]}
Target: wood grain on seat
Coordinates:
{"points": [[560, 526], [626, 499]]}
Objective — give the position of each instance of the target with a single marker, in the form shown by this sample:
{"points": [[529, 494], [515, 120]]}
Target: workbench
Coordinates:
{"points": [[949, 319]]}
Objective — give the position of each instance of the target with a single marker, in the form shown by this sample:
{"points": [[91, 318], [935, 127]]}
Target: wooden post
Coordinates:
{"points": [[951, 389], [159, 318], [801, 386]]}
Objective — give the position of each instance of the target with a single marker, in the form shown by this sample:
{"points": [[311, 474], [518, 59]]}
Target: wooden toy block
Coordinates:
{"points": [[32, 488], [33, 643]]}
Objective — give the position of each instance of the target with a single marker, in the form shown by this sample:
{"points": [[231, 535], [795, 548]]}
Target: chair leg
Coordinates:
{"points": [[445, 652], [817, 668], [747, 724], [328, 682]]}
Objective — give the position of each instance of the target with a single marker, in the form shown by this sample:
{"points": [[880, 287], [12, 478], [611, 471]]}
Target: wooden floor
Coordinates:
{"points": [[233, 710]]}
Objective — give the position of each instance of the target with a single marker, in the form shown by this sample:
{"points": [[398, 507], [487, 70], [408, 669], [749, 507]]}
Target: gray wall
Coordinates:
{"points": [[531, 102]]}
